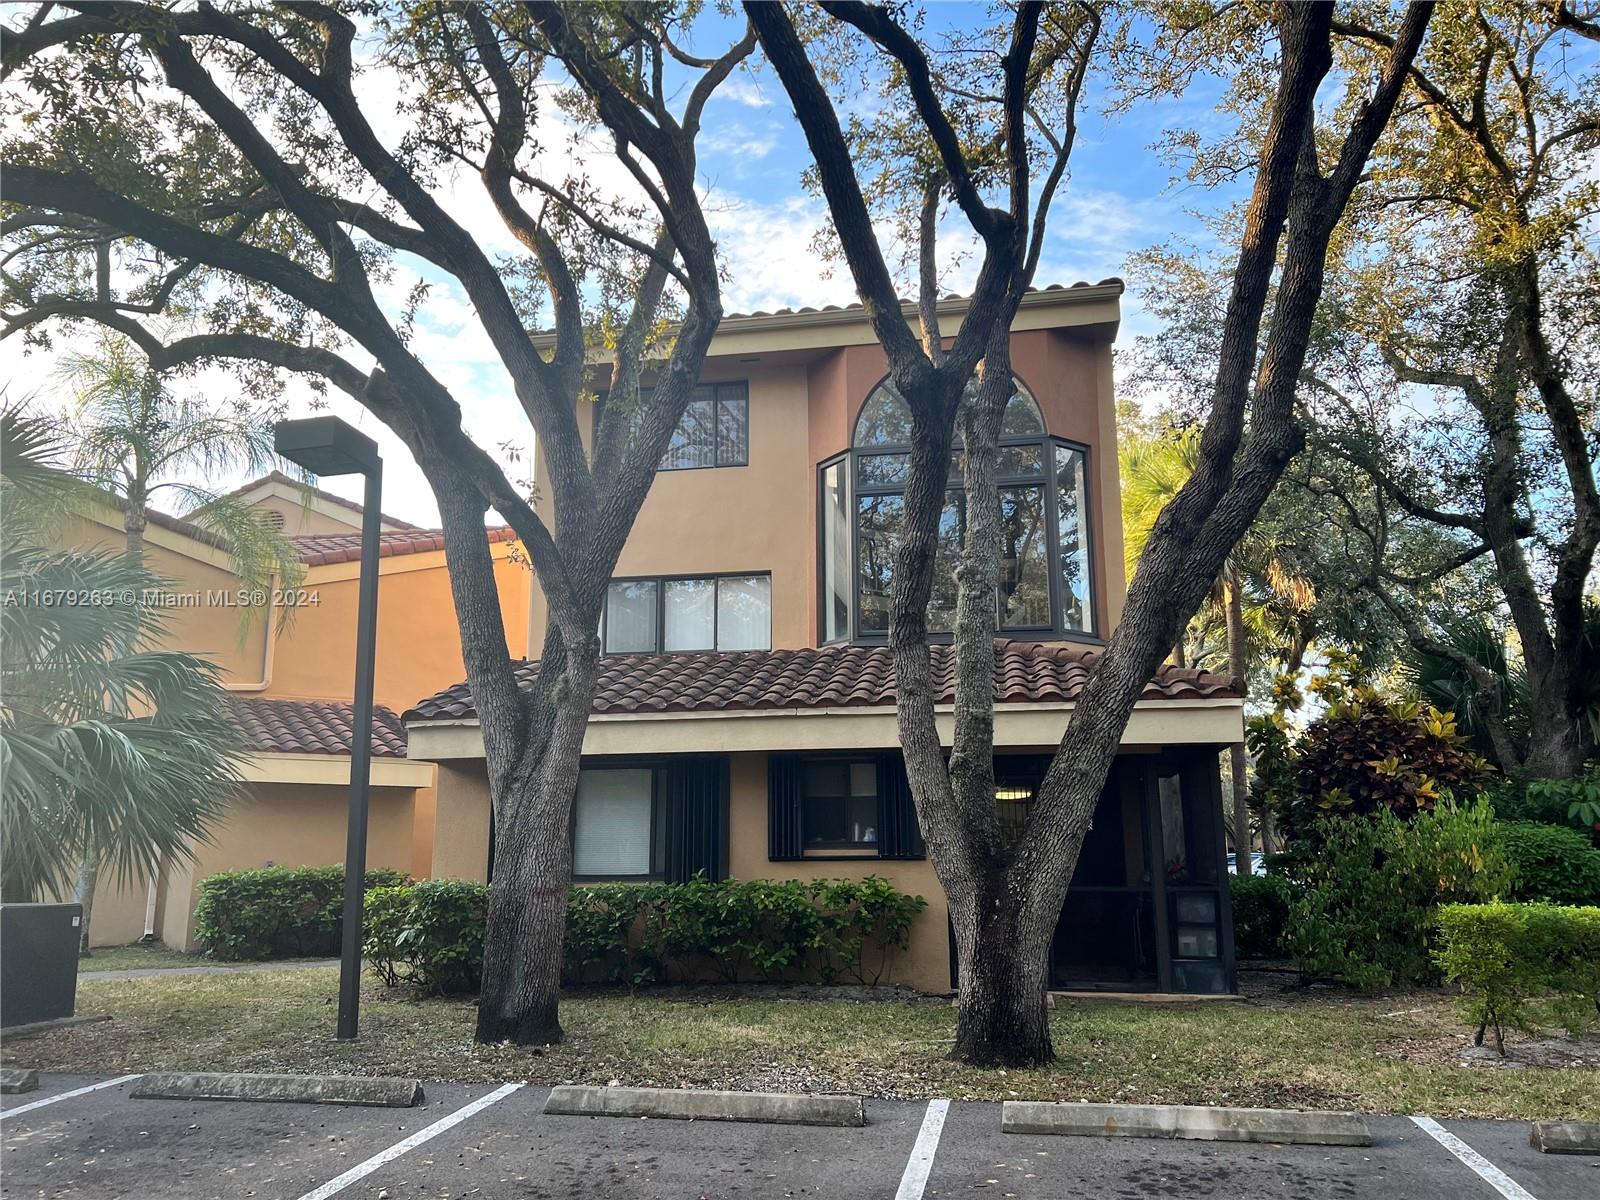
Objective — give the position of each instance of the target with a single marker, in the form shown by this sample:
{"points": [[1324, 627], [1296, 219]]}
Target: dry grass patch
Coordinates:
{"points": [[1384, 1054]]}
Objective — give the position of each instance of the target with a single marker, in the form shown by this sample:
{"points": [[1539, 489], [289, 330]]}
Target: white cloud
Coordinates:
{"points": [[747, 92]]}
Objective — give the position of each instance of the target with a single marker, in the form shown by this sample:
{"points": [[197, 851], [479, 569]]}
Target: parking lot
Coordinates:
{"points": [[67, 1143]]}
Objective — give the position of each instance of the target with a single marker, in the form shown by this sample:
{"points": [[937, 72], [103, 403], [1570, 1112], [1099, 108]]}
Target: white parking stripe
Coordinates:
{"points": [[1486, 1170], [920, 1164], [427, 1133], [93, 1087]]}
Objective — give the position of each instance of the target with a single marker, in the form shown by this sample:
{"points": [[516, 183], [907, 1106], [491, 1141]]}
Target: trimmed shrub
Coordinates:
{"points": [[1260, 915], [277, 912], [1365, 911], [431, 934], [1550, 863], [1514, 959]]}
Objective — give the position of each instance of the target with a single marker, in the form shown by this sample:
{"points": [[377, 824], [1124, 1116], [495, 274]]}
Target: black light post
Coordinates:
{"points": [[328, 446]]}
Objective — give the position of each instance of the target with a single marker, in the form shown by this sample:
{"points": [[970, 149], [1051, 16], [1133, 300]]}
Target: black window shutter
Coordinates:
{"points": [[695, 796], [899, 835], [785, 792]]}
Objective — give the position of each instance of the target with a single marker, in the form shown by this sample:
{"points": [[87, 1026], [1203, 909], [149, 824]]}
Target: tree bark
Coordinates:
{"points": [[1003, 1020], [1238, 765]]}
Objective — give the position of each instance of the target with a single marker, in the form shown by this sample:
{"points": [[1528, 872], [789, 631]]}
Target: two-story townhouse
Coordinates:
{"points": [[287, 657], [744, 723]]}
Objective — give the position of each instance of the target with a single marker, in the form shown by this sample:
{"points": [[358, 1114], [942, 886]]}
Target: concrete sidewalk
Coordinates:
{"points": [[219, 969]]}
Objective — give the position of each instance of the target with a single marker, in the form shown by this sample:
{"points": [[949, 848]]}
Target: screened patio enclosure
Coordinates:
{"points": [[1148, 909]]}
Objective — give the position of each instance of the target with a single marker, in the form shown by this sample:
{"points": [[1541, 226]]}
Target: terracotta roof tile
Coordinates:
{"points": [[311, 726], [825, 677], [320, 549]]}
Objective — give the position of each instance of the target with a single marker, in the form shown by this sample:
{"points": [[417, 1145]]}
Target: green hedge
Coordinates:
{"points": [[1550, 863], [277, 912], [1515, 959], [430, 934], [1260, 915]]}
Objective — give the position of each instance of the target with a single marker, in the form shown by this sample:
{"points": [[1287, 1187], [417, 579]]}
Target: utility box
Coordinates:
{"points": [[38, 962]]}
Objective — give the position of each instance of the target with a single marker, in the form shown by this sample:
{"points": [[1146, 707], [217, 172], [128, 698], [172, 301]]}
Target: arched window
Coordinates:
{"points": [[1044, 568]]}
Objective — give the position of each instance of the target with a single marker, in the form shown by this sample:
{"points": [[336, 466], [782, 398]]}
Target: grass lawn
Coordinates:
{"points": [[137, 956], [1377, 1054]]}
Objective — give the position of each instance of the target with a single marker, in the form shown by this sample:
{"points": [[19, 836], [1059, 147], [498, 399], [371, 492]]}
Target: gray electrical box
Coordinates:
{"points": [[38, 962]]}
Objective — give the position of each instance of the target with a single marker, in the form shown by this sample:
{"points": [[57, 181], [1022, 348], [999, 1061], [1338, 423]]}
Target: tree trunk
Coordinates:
{"points": [[1003, 1020], [83, 890], [533, 852], [1238, 763]]}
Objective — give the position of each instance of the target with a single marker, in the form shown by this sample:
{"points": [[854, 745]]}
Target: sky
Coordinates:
{"points": [[1119, 199]]}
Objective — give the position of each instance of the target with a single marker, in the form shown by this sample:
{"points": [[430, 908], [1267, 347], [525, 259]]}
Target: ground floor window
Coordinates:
{"points": [[614, 824], [841, 805]]}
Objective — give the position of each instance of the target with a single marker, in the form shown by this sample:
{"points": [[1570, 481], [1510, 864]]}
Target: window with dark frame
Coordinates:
{"points": [[840, 805], [714, 430], [688, 614], [1046, 584]]}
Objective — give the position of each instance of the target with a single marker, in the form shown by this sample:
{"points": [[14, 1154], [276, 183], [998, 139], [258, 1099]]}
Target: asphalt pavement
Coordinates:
{"points": [[82, 1138]]}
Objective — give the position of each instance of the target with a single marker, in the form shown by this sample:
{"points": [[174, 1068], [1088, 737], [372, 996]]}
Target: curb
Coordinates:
{"points": [[15, 1080], [32, 1027], [779, 1108], [1565, 1137], [1194, 1122], [376, 1092]]}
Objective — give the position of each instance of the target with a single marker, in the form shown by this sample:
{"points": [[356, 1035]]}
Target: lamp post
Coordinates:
{"points": [[328, 446]]}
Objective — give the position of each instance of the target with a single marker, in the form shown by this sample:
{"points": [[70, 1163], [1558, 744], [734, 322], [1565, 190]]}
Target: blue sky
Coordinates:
{"points": [[752, 154]]}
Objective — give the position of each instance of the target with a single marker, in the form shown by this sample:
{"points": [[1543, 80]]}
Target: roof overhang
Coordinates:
{"points": [[1081, 306], [332, 770], [1155, 723]]}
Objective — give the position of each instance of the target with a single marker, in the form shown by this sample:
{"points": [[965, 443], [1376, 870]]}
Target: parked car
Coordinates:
{"points": [[1258, 863]]}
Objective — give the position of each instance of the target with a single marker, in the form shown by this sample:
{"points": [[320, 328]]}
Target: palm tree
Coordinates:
{"points": [[1255, 600], [134, 439], [105, 744]]}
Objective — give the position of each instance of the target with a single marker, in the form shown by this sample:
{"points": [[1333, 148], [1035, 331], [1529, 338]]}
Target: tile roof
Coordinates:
{"points": [[311, 726], [1111, 281], [825, 677], [320, 549]]}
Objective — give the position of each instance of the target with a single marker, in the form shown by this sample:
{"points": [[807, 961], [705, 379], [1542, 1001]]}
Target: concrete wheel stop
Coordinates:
{"points": [[1566, 1137], [375, 1092], [1192, 1122], [16, 1080], [778, 1108]]}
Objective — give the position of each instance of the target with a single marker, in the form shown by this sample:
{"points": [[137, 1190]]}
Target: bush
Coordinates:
{"points": [[1569, 803], [1550, 863], [1508, 957], [1260, 915], [1368, 754], [277, 912], [1366, 906], [431, 934]]}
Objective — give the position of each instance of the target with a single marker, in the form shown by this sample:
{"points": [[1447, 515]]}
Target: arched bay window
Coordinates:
{"points": [[1045, 581]]}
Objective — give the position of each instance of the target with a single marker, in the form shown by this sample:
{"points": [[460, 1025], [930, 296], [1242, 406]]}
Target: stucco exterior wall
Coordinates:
{"points": [[282, 825], [419, 643], [461, 823]]}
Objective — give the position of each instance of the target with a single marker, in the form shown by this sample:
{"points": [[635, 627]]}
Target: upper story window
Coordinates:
{"points": [[1045, 582], [713, 432], [674, 616]]}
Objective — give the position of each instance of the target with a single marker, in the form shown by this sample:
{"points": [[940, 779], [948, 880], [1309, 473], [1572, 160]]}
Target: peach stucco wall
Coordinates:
{"points": [[763, 517], [286, 825], [462, 848]]}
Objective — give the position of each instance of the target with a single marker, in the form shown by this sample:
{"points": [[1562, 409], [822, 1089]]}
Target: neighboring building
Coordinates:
{"points": [[744, 723], [291, 666]]}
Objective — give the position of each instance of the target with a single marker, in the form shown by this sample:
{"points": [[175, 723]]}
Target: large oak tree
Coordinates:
{"points": [[213, 183], [1006, 897]]}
